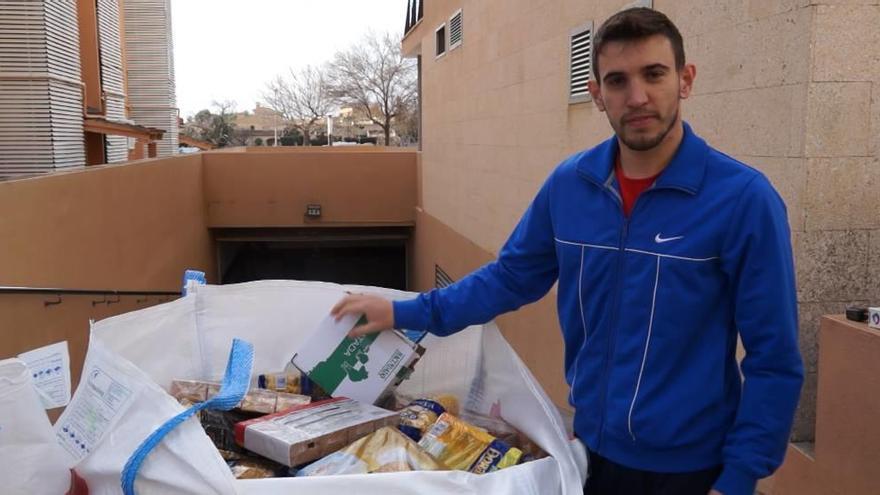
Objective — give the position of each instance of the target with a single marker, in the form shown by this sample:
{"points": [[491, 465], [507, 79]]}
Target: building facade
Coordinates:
{"points": [[77, 83]]}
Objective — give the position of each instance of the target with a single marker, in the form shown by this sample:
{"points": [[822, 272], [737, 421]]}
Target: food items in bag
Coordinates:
{"points": [[421, 414], [465, 447], [190, 390], [385, 451], [311, 431], [287, 381], [503, 431], [291, 381], [257, 401], [220, 427], [251, 467], [284, 401]]}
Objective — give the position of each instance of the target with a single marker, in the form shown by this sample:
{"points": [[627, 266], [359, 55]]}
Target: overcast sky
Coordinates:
{"points": [[230, 49]]}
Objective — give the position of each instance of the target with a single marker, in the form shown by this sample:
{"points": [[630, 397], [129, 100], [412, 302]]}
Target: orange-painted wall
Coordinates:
{"points": [[130, 227], [271, 187]]}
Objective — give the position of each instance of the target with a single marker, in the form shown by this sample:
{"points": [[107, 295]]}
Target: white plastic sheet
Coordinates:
{"points": [[31, 461], [190, 338]]}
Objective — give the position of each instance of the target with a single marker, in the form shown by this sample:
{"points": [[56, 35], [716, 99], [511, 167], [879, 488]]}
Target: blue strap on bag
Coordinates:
{"points": [[235, 385]]}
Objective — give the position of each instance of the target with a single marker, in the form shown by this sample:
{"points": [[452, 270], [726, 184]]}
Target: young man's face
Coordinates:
{"points": [[640, 89]]}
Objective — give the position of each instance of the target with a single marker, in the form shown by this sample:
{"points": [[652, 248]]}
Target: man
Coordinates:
{"points": [[664, 249]]}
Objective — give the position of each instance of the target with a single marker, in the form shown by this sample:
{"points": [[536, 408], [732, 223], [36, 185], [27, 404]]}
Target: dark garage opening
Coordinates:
{"points": [[366, 256]]}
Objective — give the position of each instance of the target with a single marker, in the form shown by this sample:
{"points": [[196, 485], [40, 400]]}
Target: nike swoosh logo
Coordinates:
{"points": [[661, 240]]}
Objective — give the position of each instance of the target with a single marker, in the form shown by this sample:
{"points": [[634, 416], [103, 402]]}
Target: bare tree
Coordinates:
{"points": [[217, 128], [374, 77], [302, 98]]}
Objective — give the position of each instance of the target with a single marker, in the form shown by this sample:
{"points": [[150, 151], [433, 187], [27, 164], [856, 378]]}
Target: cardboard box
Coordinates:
{"points": [[365, 368], [305, 433]]}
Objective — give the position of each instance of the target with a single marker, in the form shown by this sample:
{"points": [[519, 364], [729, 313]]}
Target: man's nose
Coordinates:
{"points": [[637, 95]]}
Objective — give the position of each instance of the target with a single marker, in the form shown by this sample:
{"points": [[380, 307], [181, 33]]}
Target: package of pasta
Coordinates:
{"points": [[385, 451], [465, 447], [420, 415]]}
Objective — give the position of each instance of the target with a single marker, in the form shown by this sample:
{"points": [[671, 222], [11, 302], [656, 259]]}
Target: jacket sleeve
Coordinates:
{"points": [[758, 260], [525, 270]]}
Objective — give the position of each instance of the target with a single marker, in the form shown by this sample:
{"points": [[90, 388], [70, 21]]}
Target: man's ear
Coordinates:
{"points": [[686, 80], [596, 93]]}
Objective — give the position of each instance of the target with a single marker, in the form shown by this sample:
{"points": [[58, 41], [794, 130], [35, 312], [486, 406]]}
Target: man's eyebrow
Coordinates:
{"points": [[655, 67]]}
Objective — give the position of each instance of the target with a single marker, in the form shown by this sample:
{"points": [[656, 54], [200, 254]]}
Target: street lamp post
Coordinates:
{"points": [[329, 129], [275, 119]]}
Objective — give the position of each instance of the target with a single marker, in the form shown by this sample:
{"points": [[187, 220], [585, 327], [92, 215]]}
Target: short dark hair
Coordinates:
{"points": [[633, 24]]}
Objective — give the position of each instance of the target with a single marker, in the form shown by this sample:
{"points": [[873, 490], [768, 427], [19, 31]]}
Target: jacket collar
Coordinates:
{"points": [[685, 172]]}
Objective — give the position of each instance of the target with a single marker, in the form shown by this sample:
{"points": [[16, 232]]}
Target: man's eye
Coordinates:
{"points": [[654, 75], [615, 81]]}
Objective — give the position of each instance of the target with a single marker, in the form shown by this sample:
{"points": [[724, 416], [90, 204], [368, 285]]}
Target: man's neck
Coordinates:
{"points": [[649, 163]]}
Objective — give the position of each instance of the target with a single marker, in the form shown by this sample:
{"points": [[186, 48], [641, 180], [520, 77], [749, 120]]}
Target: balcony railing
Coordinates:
{"points": [[415, 10]]}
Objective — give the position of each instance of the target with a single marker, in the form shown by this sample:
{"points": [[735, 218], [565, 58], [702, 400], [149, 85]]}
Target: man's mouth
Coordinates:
{"points": [[639, 120]]}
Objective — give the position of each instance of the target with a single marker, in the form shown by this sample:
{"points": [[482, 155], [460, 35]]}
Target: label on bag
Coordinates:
{"points": [[103, 395], [50, 371]]}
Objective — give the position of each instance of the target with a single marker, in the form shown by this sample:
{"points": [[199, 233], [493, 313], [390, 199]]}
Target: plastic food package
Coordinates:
{"points": [[465, 447], [190, 390], [257, 401], [385, 451], [418, 417], [308, 432], [285, 401], [251, 467], [503, 431], [287, 381]]}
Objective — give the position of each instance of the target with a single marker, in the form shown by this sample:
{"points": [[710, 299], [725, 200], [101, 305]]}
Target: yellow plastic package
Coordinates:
{"points": [[420, 415], [465, 447], [385, 451]]}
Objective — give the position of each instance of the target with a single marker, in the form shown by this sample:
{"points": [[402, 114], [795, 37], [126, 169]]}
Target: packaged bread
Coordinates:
{"points": [[385, 451], [421, 414], [465, 447], [285, 401]]}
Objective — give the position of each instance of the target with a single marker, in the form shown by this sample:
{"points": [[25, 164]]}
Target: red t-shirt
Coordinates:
{"points": [[630, 189]]}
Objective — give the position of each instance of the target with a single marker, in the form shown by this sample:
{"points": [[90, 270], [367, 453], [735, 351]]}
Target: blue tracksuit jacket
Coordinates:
{"points": [[650, 307]]}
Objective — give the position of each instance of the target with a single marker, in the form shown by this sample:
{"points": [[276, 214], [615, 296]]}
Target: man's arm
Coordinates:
{"points": [[525, 270], [757, 256]]}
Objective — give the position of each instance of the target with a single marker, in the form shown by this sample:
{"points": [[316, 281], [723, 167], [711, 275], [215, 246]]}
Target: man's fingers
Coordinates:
{"points": [[346, 306], [367, 328], [338, 306]]}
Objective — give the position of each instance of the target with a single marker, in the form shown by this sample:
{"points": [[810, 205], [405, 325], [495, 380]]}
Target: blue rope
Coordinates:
{"points": [[233, 389]]}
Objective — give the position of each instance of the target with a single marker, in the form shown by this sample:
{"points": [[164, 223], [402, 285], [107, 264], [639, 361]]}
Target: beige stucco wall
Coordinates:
{"points": [[132, 227], [788, 86]]}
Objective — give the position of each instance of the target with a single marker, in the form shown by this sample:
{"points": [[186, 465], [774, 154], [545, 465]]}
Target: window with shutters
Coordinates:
{"points": [[455, 30], [639, 3], [440, 40], [441, 278], [581, 63]]}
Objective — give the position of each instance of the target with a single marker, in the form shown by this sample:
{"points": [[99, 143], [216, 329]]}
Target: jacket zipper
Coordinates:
{"points": [[609, 349]]}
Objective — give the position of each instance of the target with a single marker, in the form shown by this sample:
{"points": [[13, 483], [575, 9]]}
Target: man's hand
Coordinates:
{"points": [[378, 310]]}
